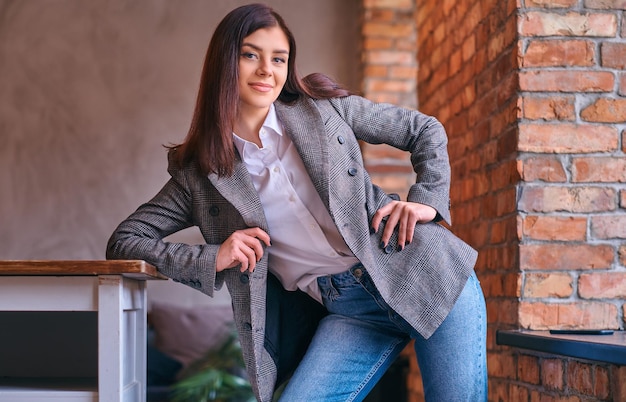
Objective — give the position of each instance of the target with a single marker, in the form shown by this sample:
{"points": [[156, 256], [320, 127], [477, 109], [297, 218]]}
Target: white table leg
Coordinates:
{"points": [[122, 339]]}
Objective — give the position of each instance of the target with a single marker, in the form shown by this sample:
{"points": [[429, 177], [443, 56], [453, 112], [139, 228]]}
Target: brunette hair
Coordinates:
{"points": [[209, 142]]}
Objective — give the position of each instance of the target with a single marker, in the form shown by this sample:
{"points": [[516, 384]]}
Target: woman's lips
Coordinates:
{"points": [[261, 87]]}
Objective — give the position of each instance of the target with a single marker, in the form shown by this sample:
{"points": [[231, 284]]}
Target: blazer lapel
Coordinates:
{"points": [[304, 125], [240, 192]]}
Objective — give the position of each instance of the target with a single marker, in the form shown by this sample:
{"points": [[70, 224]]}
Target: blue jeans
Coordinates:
{"points": [[362, 336]]}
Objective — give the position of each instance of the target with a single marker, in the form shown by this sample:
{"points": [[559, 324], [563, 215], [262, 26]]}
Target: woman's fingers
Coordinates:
{"points": [[243, 247], [402, 216]]}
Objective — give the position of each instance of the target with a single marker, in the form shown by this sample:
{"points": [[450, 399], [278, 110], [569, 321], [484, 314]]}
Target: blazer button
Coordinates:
{"points": [[214, 211], [388, 249], [244, 278], [352, 171], [341, 140]]}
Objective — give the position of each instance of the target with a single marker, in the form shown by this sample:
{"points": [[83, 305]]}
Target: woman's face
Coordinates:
{"points": [[262, 67]]}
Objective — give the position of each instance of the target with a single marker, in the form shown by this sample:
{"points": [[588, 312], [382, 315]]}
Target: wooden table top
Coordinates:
{"points": [[137, 269]]}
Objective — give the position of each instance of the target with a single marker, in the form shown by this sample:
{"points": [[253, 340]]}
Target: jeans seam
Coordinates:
{"points": [[375, 369]]}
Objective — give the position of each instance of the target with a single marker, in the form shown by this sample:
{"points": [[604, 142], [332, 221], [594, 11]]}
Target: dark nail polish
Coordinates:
{"points": [[372, 230], [399, 248], [382, 244]]}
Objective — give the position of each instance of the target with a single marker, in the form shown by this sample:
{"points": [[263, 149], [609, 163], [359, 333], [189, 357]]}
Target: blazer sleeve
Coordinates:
{"points": [[421, 135], [140, 236]]}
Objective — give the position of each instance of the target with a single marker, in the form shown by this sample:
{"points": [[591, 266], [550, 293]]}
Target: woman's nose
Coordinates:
{"points": [[265, 68]]}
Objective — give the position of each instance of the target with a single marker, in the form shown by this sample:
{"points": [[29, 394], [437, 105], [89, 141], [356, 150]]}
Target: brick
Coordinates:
{"points": [[548, 169], [567, 199], [377, 44], [502, 312], [552, 374], [602, 285], [394, 86], [503, 231], [555, 228], [544, 285], [601, 383], [609, 227], [618, 373], [501, 365], [384, 30], [605, 110], [520, 391], [393, 4], [622, 256], [549, 108], [469, 48], [613, 55], [389, 57], [582, 314], [567, 138], [404, 72], [599, 169], [565, 257], [376, 72], [500, 284], [559, 53], [579, 377], [606, 4], [537, 23], [622, 83], [566, 81], [528, 369], [551, 3]]}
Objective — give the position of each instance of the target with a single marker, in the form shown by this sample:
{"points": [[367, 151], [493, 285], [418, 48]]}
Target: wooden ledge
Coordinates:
{"points": [[601, 348], [136, 269]]}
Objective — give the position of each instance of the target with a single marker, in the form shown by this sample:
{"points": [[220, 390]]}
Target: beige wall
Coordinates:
{"points": [[91, 90]]}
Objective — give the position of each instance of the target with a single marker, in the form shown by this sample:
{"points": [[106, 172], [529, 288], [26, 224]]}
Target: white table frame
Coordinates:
{"points": [[119, 298]]}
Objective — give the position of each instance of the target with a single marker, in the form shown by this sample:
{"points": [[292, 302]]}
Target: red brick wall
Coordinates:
{"points": [[533, 96], [390, 75], [572, 116]]}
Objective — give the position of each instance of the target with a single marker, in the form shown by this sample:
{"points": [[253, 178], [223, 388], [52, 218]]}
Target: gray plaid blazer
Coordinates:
{"points": [[421, 282]]}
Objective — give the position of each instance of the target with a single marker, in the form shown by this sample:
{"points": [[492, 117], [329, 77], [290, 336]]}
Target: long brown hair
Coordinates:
{"points": [[209, 141]]}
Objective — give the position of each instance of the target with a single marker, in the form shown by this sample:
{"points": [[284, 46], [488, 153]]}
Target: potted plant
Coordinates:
{"points": [[218, 376]]}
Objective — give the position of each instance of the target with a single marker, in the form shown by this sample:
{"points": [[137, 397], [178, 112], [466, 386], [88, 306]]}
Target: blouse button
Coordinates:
{"points": [[352, 171], [214, 211], [341, 140]]}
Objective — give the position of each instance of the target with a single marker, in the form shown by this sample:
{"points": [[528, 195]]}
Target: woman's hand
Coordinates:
{"points": [[404, 216], [242, 247]]}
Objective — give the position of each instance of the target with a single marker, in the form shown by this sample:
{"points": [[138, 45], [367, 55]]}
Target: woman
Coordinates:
{"points": [[330, 277]]}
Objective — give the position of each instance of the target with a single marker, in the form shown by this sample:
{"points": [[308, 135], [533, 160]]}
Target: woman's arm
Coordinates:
{"points": [[140, 236], [421, 135]]}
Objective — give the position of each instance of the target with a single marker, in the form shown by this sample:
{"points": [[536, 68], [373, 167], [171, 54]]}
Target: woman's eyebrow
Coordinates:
{"points": [[255, 47]]}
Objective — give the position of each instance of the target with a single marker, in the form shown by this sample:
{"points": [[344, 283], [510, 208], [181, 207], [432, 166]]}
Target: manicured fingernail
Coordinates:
{"points": [[382, 244], [372, 230], [400, 247]]}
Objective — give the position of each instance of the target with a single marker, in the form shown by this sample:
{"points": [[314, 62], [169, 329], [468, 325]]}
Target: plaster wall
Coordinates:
{"points": [[89, 93]]}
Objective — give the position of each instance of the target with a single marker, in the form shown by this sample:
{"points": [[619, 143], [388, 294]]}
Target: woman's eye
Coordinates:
{"points": [[248, 55], [279, 60]]}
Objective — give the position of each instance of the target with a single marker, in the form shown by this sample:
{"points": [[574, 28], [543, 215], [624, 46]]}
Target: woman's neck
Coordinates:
{"points": [[249, 123]]}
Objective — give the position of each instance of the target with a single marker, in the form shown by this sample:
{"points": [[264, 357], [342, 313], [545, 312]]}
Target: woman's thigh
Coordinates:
{"points": [[345, 360], [352, 347], [453, 361]]}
